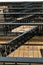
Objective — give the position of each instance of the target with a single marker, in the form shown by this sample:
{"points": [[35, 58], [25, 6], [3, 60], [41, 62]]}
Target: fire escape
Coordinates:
{"points": [[21, 32]]}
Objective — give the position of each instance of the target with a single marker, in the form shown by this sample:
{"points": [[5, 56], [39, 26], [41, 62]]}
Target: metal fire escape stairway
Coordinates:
{"points": [[25, 36], [16, 42]]}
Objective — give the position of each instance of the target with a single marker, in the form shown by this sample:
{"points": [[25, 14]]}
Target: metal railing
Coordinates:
{"points": [[17, 42]]}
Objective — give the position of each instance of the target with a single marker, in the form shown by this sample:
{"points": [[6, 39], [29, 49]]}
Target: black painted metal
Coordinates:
{"points": [[33, 31], [16, 42], [24, 8]]}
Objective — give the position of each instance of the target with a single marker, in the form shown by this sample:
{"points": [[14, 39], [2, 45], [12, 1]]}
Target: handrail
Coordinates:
{"points": [[30, 13], [33, 24], [21, 60]]}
